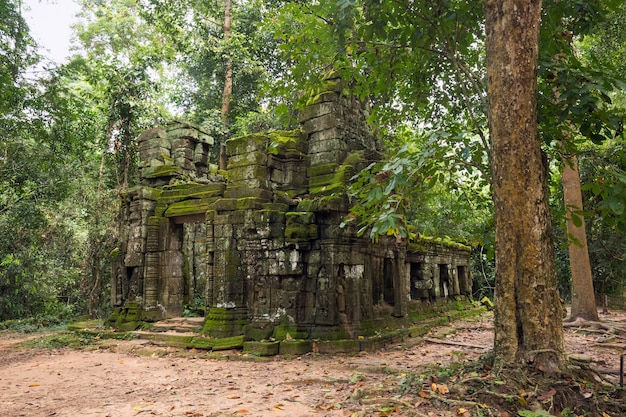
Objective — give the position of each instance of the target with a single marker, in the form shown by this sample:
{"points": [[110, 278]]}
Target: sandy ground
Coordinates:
{"points": [[135, 378]]}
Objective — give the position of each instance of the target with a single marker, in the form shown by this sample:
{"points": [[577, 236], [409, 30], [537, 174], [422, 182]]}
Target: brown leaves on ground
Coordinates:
{"points": [[415, 378]]}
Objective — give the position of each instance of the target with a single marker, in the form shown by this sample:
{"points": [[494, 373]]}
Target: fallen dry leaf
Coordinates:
{"points": [[547, 395], [34, 385], [242, 412], [233, 396]]}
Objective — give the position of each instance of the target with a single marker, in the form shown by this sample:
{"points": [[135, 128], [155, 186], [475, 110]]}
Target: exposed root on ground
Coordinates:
{"points": [[579, 391], [596, 326]]}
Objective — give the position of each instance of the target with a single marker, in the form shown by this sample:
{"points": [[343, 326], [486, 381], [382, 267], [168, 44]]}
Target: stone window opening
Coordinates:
{"points": [[444, 280], [418, 286], [388, 281], [461, 271]]}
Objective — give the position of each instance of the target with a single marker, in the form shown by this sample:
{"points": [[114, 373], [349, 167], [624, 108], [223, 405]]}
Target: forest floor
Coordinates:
{"points": [[419, 377]]}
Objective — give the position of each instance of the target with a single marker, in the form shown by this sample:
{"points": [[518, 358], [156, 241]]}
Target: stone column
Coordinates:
{"points": [[401, 285], [152, 264]]}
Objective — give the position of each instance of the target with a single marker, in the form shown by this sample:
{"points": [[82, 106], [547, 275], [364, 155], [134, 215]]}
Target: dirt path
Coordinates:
{"points": [[135, 378]]}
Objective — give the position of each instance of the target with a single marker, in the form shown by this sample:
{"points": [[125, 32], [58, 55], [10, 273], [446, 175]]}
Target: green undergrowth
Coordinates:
{"points": [[33, 324], [60, 339]]}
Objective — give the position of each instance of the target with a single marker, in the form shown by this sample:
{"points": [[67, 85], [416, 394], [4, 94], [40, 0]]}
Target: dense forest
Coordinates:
{"points": [[436, 81]]}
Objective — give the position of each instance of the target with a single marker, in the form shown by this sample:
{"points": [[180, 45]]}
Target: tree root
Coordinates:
{"points": [[460, 344], [579, 322], [595, 326]]}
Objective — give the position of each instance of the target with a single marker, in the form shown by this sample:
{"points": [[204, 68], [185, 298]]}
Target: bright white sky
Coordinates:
{"points": [[50, 25]]}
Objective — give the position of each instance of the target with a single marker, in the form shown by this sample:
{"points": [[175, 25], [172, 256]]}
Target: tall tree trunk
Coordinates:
{"points": [[583, 296], [528, 323], [228, 80]]}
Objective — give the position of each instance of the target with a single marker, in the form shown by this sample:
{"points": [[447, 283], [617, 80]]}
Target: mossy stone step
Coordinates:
{"points": [[261, 348], [191, 340], [339, 346], [295, 347]]}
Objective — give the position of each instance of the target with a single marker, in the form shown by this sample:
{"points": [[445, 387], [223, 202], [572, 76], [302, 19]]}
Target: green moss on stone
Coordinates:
{"points": [[335, 202], [338, 346], [175, 340], [222, 322], [282, 330], [297, 232], [203, 343], [261, 348], [186, 207], [320, 180], [258, 333], [322, 98], [328, 189], [180, 129], [282, 207], [332, 333], [287, 143], [249, 172], [421, 330], [251, 158], [299, 217], [128, 326], [256, 142], [424, 243], [264, 216], [150, 193], [375, 343], [235, 342], [82, 325], [161, 171], [114, 255], [245, 192], [250, 203], [354, 158], [295, 347], [181, 192], [306, 205], [295, 192], [316, 170], [159, 211], [226, 204], [207, 194]]}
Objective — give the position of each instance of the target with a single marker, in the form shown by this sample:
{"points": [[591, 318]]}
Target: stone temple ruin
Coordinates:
{"points": [[258, 247]]}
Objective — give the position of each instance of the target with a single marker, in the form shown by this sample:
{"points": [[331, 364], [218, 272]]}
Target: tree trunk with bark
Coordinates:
{"points": [[528, 319], [583, 296], [228, 81], [228, 78]]}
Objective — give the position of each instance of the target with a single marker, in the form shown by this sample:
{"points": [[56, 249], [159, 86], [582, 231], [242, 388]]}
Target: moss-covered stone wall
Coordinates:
{"points": [[258, 247]]}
